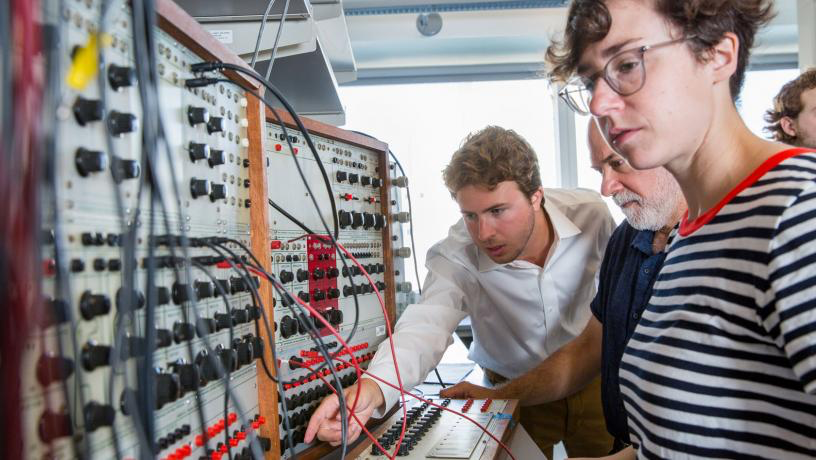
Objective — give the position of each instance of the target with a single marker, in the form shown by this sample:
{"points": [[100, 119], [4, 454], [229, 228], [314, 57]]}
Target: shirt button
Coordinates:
{"points": [[646, 271], [635, 316]]}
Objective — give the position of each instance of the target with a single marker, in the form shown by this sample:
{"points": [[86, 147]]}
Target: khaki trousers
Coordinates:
{"points": [[577, 421]]}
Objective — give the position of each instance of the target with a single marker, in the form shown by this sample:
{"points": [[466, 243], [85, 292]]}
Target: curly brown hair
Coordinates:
{"points": [[705, 22], [491, 156], [788, 103]]}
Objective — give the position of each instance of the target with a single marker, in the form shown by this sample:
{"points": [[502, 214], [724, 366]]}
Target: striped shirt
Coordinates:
{"points": [[723, 361]]}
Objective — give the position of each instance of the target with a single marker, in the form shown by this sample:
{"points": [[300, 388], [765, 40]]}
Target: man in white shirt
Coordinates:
{"points": [[522, 262]]}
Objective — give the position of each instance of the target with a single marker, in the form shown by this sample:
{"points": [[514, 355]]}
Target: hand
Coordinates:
{"points": [[325, 422], [465, 390]]}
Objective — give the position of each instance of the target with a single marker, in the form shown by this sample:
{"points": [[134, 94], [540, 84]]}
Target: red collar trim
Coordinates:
{"points": [[688, 227]]}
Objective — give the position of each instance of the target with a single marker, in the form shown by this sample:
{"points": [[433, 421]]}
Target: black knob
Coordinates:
{"points": [[380, 285], [217, 157], [204, 289], [87, 110], [98, 415], [318, 295], [238, 284], [302, 275], [180, 293], [257, 347], [196, 115], [229, 359], [167, 389], [52, 369], [94, 356], [239, 316], [341, 176], [215, 125], [199, 187], [122, 123], [120, 76], [333, 293], [187, 375], [288, 326], [222, 321], [379, 221], [219, 192], [205, 326], [333, 272], [286, 276], [207, 367], [164, 338], [198, 151], [318, 273], [376, 183], [183, 332], [353, 178], [93, 305], [125, 169], [347, 291], [304, 296], [53, 426], [365, 180], [356, 219], [76, 265], [243, 350], [345, 219], [368, 220], [162, 295], [136, 300]]}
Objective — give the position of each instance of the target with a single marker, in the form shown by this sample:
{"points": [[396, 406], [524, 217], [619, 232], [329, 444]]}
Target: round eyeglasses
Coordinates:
{"points": [[625, 73]]}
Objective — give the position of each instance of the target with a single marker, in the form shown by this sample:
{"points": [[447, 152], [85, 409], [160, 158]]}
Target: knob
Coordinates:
{"points": [[404, 287], [54, 425], [183, 332], [198, 151], [401, 182], [164, 338], [94, 356], [199, 187], [347, 291], [98, 415], [223, 321], [187, 375], [341, 176], [90, 161], [219, 192], [120, 76], [93, 305], [288, 326], [207, 366], [302, 275], [333, 293], [52, 369], [379, 221], [239, 316], [122, 123], [167, 389], [125, 169], [376, 183], [243, 351], [87, 110], [318, 273], [180, 293], [380, 268], [217, 158], [403, 252], [197, 115], [215, 125], [356, 219], [318, 295], [333, 272], [286, 276], [345, 219], [229, 359], [137, 299], [380, 285], [368, 220], [401, 217], [365, 180], [353, 178]]}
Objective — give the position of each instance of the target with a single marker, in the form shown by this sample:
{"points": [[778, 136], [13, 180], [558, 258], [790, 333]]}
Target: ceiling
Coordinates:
{"points": [[482, 39]]}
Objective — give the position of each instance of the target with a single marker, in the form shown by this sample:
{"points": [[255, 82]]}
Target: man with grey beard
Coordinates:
{"points": [[653, 204]]}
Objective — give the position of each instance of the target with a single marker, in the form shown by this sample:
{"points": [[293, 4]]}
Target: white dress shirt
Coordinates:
{"points": [[520, 312]]}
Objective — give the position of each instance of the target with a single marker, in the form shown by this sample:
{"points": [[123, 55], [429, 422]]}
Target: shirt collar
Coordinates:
{"points": [[563, 227], [643, 241]]}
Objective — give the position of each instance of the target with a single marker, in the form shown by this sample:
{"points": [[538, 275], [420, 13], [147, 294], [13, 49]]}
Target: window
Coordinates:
{"points": [[425, 123]]}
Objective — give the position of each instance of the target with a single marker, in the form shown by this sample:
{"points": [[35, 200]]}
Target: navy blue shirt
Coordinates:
{"points": [[628, 272]]}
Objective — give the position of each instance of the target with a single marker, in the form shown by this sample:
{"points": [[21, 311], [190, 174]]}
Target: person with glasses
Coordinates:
{"points": [[723, 361], [652, 202]]}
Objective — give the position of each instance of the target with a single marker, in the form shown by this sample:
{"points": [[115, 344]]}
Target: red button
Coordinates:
{"points": [[233, 442], [255, 425], [261, 420], [199, 440], [348, 196], [278, 147], [186, 449], [275, 244], [216, 456], [295, 150], [241, 435], [232, 417]]}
